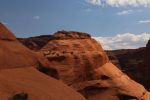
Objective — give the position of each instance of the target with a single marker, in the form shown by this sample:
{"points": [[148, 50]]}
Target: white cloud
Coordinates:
{"points": [[144, 21], [124, 41], [36, 17], [121, 3], [135, 3], [125, 12], [94, 2]]}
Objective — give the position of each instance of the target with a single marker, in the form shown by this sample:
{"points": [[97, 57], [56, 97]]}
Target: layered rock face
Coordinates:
{"points": [[134, 62], [145, 66], [74, 55], [128, 60], [19, 77], [82, 64]]}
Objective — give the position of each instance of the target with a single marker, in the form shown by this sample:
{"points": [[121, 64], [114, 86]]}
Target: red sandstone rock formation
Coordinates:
{"points": [[14, 55], [19, 77], [82, 64], [74, 58]]}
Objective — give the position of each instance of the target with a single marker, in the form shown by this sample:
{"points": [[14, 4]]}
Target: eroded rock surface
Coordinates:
{"points": [[75, 56], [82, 64]]}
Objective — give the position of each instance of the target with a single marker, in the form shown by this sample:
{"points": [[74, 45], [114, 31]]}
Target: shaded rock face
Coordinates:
{"points": [[147, 54], [29, 43], [82, 64], [128, 60], [134, 62], [145, 66], [36, 43], [20, 73]]}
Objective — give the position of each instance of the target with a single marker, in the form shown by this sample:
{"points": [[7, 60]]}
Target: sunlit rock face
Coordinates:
{"points": [[75, 55], [5, 34], [20, 76], [14, 55], [82, 64]]}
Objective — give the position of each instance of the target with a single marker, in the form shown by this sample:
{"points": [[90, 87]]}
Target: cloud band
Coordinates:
{"points": [[124, 41], [120, 3]]}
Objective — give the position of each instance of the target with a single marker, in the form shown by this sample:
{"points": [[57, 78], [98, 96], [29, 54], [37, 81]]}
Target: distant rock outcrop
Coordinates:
{"points": [[82, 64], [144, 67], [36, 43], [128, 60], [134, 62], [19, 74]]}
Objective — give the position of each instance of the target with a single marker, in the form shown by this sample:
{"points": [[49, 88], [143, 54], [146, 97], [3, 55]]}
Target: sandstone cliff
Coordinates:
{"points": [[126, 60], [74, 58], [19, 75]]}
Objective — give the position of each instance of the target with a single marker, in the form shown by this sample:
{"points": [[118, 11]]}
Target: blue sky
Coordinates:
{"points": [[103, 18]]}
